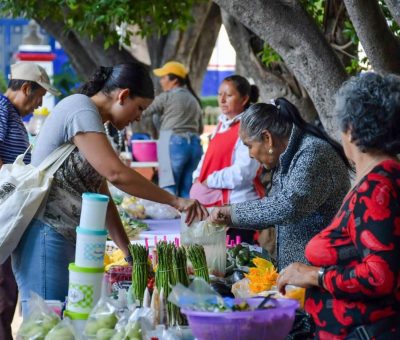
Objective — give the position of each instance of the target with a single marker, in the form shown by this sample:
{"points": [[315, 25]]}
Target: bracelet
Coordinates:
{"points": [[321, 273]]}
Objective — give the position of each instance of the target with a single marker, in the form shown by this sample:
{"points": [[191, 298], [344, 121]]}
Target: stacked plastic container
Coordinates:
{"points": [[86, 274]]}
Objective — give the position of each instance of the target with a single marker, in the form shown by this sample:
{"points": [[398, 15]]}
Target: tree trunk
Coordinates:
{"points": [[378, 41], [192, 47], [272, 82], [292, 33], [85, 55], [394, 8]]}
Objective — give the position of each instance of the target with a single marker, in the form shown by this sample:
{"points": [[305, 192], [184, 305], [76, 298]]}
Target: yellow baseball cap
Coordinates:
{"points": [[172, 67], [33, 72]]}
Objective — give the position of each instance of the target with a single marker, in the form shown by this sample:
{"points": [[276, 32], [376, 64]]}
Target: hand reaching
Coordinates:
{"points": [[221, 215], [192, 208]]}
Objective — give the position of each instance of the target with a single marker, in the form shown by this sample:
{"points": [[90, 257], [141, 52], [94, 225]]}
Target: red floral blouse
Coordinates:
{"points": [[361, 250]]}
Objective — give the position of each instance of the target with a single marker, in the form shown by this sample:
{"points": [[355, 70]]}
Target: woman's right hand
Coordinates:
{"points": [[192, 208]]}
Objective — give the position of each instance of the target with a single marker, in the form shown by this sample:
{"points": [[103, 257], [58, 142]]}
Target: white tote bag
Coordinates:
{"points": [[22, 190]]}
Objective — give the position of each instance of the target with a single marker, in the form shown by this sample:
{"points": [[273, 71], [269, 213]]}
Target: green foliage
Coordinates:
{"points": [[66, 81], [3, 83], [107, 18], [316, 9], [393, 25], [209, 101], [268, 55]]}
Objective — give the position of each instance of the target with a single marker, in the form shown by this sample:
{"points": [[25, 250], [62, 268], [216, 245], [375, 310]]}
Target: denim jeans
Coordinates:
{"points": [[185, 153], [40, 263]]}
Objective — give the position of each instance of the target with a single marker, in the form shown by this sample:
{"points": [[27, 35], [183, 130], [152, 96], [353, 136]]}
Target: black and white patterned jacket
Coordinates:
{"points": [[308, 187]]}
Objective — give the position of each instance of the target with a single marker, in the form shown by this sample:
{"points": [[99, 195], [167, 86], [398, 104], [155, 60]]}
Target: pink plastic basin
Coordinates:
{"points": [[144, 150], [273, 324]]}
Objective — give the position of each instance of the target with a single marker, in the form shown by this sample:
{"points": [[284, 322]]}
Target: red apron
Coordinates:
{"points": [[219, 155]]}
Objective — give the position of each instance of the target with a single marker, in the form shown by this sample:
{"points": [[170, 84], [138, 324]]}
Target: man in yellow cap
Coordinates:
{"points": [[28, 84]]}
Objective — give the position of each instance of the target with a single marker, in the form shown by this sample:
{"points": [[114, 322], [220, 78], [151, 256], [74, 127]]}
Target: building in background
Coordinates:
{"points": [[221, 65]]}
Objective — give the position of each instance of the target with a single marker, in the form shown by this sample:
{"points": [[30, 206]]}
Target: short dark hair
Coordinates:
{"points": [[368, 106], [132, 76], [16, 84]]}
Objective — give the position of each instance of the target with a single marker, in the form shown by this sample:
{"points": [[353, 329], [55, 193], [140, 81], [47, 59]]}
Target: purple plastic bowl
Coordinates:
{"points": [[272, 324]]}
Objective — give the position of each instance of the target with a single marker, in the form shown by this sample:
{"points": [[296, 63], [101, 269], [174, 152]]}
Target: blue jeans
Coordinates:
{"points": [[40, 263], [185, 153]]}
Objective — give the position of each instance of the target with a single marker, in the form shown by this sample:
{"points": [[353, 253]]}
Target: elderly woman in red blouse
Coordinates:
{"points": [[354, 276]]}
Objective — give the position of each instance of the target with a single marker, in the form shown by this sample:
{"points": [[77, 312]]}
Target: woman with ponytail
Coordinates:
{"points": [[181, 123], [310, 177], [227, 174], [117, 95]]}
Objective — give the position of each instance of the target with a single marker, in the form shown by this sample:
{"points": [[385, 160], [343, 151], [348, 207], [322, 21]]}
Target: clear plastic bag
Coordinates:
{"points": [[40, 321], [158, 211], [212, 237], [102, 320], [63, 330], [198, 296]]}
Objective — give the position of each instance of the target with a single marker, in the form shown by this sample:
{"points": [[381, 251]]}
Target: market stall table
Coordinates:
{"points": [[159, 229]]}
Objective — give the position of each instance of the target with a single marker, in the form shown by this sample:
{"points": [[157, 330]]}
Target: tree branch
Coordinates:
{"points": [[378, 41], [394, 8], [292, 33], [271, 84]]}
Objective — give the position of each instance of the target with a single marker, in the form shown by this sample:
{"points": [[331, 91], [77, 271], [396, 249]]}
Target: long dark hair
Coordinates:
{"points": [[244, 88], [132, 76], [184, 82], [279, 119]]}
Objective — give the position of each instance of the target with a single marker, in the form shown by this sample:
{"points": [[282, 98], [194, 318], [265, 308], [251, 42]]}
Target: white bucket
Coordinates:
{"points": [[84, 288], [77, 320], [90, 247], [94, 209]]}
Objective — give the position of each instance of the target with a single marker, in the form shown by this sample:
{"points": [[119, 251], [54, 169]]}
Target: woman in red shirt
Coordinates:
{"points": [[354, 276]]}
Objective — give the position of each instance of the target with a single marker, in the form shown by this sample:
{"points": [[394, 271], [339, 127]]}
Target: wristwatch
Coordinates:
{"points": [[321, 273], [129, 259]]}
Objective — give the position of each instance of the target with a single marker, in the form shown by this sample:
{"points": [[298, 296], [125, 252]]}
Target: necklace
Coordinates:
{"points": [[120, 142]]}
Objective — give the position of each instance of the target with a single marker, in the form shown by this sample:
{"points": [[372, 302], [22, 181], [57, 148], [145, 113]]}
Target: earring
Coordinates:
{"points": [[270, 151]]}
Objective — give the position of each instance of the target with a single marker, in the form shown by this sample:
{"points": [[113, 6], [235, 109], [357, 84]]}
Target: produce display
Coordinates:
{"points": [[197, 257], [132, 226], [242, 255], [165, 278], [63, 330], [140, 270], [40, 321], [263, 276], [102, 321]]}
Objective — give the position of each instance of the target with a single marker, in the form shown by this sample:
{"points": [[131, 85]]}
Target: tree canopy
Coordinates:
{"points": [[93, 17]]}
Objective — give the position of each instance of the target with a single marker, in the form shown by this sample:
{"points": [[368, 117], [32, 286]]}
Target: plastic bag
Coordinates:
{"points": [[212, 237], [63, 330], [198, 296], [241, 289], [102, 320], [41, 319], [158, 211], [134, 327]]}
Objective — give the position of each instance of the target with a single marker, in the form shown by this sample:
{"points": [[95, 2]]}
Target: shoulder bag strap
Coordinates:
{"points": [[53, 161]]}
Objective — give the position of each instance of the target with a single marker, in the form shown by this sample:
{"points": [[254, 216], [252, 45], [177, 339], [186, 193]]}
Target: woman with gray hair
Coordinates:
{"points": [[353, 278], [309, 178]]}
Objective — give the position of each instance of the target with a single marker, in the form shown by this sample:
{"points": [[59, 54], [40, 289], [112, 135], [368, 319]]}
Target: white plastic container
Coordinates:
{"points": [[90, 247], [77, 320], [94, 209], [84, 288]]}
